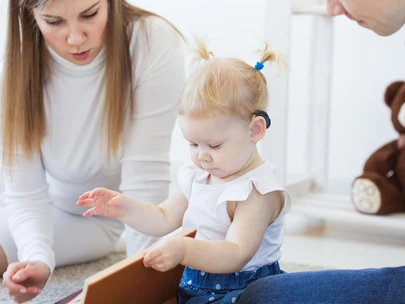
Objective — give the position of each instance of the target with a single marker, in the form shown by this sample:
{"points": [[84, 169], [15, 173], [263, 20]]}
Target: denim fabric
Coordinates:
{"points": [[384, 285], [201, 287]]}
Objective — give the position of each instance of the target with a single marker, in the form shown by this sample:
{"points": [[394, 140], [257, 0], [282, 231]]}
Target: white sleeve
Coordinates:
{"points": [[159, 75], [29, 210], [186, 176], [28, 207]]}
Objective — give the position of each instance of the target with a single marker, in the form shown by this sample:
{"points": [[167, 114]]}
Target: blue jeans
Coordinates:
{"points": [[200, 287], [384, 285]]}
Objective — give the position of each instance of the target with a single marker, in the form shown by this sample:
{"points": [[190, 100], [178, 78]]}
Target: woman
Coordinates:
{"points": [[81, 69]]}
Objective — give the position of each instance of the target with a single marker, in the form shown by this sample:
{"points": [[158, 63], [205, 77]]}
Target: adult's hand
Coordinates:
{"points": [[25, 280]]}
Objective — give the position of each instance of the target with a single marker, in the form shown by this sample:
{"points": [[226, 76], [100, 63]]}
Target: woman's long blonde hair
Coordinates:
{"points": [[226, 86], [27, 69]]}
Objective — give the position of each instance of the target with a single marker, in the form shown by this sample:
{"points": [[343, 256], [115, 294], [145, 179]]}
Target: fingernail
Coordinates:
{"points": [[23, 291], [17, 277]]}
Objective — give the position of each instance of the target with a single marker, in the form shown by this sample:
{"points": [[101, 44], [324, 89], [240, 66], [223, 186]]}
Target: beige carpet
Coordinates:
{"points": [[67, 280]]}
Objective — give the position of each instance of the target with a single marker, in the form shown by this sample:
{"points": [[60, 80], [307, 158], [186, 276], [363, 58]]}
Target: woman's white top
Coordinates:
{"points": [[207, 211], [74, 157]]}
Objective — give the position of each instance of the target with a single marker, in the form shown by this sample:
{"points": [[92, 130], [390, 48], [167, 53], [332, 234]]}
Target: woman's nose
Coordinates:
{"points": [[76, 37]]}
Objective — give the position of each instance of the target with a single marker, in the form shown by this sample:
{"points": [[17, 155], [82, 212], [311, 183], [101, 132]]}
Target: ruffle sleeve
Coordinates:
{"points": [[186, 175], [264, 182]]}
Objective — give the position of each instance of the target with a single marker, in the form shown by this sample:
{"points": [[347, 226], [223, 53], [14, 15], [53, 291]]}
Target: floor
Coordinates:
{"points": [[341, 246]]}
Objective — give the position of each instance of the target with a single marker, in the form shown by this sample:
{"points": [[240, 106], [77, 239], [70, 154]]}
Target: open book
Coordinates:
{"points": [[129, 281]]}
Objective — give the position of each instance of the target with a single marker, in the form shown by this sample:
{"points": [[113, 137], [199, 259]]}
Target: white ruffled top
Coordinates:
{"points": [[207, 207]]}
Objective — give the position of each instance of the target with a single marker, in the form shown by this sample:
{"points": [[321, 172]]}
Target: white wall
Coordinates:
{"points": [[300, 52], [363, 65]]}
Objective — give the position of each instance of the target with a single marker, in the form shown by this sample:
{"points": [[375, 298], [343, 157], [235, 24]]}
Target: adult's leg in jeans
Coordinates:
{"points": [[384, 285], [3, 262]]}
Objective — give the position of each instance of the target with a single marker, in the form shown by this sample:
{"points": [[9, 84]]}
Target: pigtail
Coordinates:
{"points": [[270, 55], [199, 52]]}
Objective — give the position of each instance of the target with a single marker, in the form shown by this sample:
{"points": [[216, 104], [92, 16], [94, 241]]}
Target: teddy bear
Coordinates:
{"points": [[381, 188]]}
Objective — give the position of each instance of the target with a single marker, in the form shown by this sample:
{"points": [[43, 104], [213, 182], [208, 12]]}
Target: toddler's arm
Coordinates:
{"points": [[250, 221], [143, 217]]}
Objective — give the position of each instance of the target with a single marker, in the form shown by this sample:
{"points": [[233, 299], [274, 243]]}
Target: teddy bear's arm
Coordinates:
{"points": [[382, 160]]}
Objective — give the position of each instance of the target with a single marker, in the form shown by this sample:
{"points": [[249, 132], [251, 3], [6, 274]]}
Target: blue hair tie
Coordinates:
{"points": [[259, 66], [264, 115]]}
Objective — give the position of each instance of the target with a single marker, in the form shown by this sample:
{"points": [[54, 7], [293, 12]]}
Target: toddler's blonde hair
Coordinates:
{"points": [[225, 86]]}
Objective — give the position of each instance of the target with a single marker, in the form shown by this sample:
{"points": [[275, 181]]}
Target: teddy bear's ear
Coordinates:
{"points": [[391, 91]]}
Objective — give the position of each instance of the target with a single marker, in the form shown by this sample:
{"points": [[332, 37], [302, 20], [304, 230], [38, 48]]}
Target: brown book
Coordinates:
{"points": [[129, 282]]}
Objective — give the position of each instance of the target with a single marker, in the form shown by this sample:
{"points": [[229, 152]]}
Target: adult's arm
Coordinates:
{"points": [[159, 75], [28, 206]]}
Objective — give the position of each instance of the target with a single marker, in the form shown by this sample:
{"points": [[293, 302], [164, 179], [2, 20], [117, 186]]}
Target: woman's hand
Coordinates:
{"points": [[165, 254], [104, 202], [25, 280]]}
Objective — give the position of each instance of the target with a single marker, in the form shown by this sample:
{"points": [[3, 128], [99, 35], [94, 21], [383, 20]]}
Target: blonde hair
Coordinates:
{"points": [[27, 69], [225, 86]]}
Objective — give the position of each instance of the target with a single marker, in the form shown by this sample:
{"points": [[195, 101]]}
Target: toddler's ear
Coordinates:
{"points": [[257, 128]]}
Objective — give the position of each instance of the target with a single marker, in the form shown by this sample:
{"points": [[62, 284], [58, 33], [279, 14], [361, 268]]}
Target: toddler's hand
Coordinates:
{"points": [[165, 254], [104, 202]]}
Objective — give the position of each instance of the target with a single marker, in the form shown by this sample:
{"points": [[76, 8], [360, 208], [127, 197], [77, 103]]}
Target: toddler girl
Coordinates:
{"points": [[230, 195]]}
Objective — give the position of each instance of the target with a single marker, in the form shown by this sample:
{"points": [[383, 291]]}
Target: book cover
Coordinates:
{"points": [[129, 281]]}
